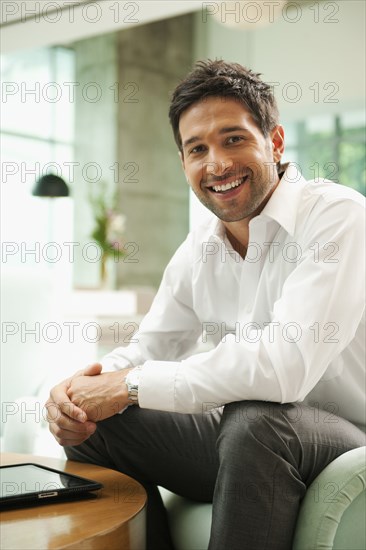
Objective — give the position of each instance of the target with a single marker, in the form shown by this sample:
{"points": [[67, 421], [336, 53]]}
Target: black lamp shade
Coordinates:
{"points": [[50, 185]]}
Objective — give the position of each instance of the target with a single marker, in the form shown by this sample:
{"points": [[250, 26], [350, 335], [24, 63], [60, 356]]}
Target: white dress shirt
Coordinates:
{"points": [[286, 324]]}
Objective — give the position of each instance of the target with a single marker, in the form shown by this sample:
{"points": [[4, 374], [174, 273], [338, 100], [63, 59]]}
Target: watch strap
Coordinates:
{"points": [[132, 382]]}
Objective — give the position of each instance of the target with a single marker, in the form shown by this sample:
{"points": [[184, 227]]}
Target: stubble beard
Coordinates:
{"points": [[232, 211]]}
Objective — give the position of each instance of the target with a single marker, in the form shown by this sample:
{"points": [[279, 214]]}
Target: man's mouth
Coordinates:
{"points": [[226, 187]]}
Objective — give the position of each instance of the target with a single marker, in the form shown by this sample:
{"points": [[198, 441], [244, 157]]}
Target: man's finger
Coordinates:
{"points": [[56, 407], [72, 432], [64, 422], [93, 370], [70, 439]]}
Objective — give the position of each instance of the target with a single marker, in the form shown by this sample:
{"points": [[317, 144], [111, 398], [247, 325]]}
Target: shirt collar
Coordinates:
{"points": [[283, 205]]}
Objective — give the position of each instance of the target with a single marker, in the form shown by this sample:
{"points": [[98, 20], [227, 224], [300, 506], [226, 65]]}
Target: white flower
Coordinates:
{"points": [[117, 223], [116, 227]]}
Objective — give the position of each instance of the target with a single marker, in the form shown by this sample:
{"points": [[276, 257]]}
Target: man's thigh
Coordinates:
{"points": [[176, 451], [307, 437]]}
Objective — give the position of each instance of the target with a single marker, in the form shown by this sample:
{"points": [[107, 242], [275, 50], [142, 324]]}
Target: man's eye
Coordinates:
{"points": [[234, 139], [197, 149]]}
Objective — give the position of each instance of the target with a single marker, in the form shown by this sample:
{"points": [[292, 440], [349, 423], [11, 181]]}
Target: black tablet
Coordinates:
{"points": [[29, 484]]}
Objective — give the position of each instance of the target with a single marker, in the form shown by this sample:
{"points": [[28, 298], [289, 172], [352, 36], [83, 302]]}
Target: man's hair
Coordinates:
{"points": [[226, 80]]}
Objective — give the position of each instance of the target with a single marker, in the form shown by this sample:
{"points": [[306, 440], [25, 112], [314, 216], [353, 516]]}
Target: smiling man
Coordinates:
{"points": [[229, 163], [275, 278]]}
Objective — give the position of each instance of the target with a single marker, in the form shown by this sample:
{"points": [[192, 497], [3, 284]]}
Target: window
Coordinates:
{"points": [[329, 147], [37, 127]]}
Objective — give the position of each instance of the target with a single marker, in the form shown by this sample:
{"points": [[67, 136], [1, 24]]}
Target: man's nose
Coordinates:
{"points": [[218, 163]]}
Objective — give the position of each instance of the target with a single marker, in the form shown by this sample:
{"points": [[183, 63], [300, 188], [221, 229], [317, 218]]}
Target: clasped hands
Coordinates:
{"points": [[79, 402]]}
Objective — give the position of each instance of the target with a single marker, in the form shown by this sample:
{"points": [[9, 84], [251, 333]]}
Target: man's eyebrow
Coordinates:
{"points": [[229, 129], [225, 130], [191, 140]]}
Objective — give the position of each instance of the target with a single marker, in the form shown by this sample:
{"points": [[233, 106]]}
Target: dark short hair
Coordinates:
{"points": [[221, 79]]}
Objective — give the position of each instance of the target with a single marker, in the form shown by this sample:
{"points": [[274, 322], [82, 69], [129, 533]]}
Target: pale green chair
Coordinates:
{"points": [[332, 514]]}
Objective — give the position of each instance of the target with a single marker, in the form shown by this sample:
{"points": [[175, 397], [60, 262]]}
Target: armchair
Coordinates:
{"points": [[332, 514]]}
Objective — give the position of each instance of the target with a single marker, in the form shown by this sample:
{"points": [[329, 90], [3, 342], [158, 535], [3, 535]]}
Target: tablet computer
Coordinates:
{"points": [[28, 484]]}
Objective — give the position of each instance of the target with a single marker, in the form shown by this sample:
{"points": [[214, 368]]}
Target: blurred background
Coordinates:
{"points": [[84, 96]]}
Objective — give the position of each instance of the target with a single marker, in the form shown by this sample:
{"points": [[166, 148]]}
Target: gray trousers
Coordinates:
{"points": [[253, 461]]}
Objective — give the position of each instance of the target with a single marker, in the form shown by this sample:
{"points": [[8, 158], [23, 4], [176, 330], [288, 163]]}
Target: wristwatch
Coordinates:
{"points": [[132, 382]]}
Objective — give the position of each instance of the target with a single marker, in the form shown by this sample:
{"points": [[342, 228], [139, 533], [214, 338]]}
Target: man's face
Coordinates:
{"points": [[229, 164]]}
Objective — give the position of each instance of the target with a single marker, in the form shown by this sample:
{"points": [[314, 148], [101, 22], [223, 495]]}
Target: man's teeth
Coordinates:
{"points": [[227, 186]]}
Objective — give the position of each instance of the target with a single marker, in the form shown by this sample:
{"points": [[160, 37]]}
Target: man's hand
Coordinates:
{"points": [[99, 396], [67, 422]]}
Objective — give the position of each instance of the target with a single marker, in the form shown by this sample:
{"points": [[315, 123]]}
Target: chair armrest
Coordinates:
{"points": [[332, 513]]}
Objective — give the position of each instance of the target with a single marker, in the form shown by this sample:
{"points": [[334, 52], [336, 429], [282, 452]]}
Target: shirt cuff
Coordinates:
{"points": [[157, 385]]}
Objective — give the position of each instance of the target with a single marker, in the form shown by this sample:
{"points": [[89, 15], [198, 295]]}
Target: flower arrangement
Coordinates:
{"points": [[109, 225]]}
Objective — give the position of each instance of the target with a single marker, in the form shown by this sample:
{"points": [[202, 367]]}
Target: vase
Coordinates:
{"points": [[107, 272], [103, 269]]}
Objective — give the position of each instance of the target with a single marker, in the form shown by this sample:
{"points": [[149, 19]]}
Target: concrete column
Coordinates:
{"points": [[154, 193]]}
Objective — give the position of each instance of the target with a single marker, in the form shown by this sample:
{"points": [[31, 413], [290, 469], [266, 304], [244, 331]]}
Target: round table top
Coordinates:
{"points": [[115, 519]]}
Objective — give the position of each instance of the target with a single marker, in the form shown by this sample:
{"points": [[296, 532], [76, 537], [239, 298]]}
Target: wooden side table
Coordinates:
{"points": [[115, 520]]}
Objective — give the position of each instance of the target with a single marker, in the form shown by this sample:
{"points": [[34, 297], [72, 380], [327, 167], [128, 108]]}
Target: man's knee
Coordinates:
{"points": [[256, 424]]}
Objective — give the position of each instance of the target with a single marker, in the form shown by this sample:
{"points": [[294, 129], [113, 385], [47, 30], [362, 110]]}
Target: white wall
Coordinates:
{"points": [[305, 51]]}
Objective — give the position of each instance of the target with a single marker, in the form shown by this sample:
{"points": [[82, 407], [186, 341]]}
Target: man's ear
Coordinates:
{"points": [[181, 158], [182, 161], [278, 142]]}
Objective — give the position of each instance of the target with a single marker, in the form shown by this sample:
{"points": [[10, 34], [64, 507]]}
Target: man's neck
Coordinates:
{"points": [[238, 235], [238, 232]]}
